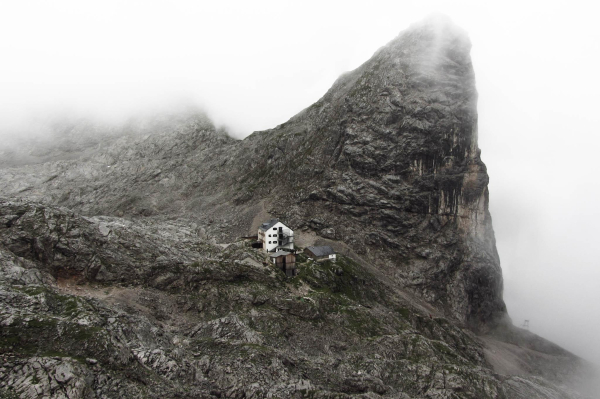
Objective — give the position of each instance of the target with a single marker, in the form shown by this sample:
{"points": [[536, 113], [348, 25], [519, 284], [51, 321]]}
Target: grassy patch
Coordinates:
{"points": [[42, 323], [41, 337], [83, 333], [63, 305], [8, 393], [444, 350], [9, 341], [301, 258], [32, 290], [362, 322], [344, 277], [405, 313]]}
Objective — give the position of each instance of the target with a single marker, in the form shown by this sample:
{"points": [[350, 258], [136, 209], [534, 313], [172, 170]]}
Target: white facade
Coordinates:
{"points": [[276, 236]]}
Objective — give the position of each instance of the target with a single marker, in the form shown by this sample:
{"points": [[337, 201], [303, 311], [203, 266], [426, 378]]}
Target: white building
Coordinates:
{"points": [[275, 235]]}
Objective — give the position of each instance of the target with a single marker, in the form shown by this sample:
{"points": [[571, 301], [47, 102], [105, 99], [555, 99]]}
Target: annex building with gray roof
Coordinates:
{"points": [[324, 252]]}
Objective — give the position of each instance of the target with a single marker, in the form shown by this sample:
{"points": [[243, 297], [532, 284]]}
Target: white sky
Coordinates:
{"points": [[253, 65]]}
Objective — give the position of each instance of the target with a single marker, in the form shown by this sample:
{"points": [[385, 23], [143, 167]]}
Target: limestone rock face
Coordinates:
{"points": [[392, 164]]}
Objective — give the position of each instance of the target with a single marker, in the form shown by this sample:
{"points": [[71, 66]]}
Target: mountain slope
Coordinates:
{"points": [[386, 162], [126, 271], [108, 307]]}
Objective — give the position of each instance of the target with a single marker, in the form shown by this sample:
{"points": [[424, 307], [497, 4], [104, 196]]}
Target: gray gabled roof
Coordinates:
{"points": [[268, 225], [325, 250]]}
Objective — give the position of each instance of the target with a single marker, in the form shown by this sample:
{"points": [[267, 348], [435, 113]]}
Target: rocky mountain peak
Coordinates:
{"points": [[388, 159]]}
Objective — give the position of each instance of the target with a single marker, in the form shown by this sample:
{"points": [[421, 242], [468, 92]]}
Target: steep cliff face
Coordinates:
{"points": [[392, 167], [385, 163]]}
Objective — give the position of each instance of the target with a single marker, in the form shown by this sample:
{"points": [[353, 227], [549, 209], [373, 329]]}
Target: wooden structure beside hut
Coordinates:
{"points": [[286, 262]]}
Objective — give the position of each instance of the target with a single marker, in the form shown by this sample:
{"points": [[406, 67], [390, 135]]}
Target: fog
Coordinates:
{"points": [[253, 65]]}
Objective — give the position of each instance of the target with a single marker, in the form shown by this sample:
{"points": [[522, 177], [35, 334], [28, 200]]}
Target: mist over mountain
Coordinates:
{"points": [[124, 272]]}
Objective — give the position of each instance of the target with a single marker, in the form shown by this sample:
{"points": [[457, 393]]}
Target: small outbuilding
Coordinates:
{"points": [[321, 253], [285, 261]]}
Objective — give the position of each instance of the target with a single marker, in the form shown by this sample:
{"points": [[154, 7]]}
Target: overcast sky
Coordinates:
{"points": [[253, 65]]}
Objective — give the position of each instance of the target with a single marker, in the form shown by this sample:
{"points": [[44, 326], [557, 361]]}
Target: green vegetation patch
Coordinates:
{"points": [[344, 277], [61, 305], [362, 322], [48, 336], [444, 350], [42, 323], [301, 258], [9, 393], [33, 290], [404, 312]]}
